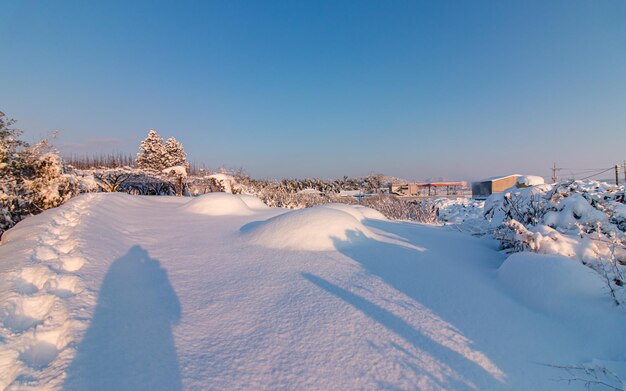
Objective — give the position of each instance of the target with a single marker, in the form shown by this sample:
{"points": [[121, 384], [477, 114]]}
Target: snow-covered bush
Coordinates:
{"points": [[48, 185], [224, 183], [12, 187], [461, 211], [134, 181], [178, 175], [288, 193], [526, 205], [578, 219], [110, 181], [32, 179], [201, 184], [396, 208]]}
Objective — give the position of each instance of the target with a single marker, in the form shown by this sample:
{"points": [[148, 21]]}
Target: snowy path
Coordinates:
{"points": [[120, 292]]}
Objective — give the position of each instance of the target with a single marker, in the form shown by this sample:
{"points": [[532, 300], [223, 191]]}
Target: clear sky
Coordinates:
{"points": [[416, 89]]}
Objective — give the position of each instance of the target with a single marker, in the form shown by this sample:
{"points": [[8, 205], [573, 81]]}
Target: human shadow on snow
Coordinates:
{"points": [[129, 344]]}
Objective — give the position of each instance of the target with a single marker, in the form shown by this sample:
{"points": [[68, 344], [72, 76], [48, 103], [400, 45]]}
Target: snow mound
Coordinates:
{"points": [[550, 282], [320, 228], [574, 210], [253, 202], [529, 180], [358, 212], [217, 204]]}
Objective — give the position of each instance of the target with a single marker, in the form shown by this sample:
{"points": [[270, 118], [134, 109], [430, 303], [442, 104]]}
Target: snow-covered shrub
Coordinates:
{"points": [[48, 185], [514, 236], [224, 183], [464, 214], [110, 181], [582, 220], [12, 187], [32, 179], [201, 184], [396, 208], [526, 205], [178, 175]]}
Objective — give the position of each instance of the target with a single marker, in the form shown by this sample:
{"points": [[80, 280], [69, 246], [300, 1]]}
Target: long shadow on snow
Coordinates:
{"points": [[418, 275], [446, 379], [129, 344]]}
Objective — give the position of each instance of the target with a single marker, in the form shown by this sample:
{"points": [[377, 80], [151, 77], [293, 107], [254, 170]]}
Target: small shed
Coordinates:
{"points": [[488, 186]]}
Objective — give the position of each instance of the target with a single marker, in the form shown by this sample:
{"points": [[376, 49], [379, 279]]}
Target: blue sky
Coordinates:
{"points": [[417, 89]]}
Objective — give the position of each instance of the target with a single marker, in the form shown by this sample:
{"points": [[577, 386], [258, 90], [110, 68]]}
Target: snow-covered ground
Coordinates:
{"points": [[119, 292]]}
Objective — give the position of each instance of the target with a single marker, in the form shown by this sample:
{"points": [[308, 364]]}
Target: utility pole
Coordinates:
{"points": [[554, 177], [616, 175], [624, 168]]}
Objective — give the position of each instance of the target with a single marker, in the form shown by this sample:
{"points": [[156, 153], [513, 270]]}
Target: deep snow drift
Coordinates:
{"points": [[217, 204], [112, 291], [320, 228]]}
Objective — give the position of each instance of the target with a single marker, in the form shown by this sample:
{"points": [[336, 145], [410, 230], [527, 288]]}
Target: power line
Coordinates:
{"points": [[581, 169], [598, 173]]}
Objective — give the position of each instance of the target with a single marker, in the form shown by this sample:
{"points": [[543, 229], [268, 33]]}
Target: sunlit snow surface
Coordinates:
{"points": [[122, 292]]}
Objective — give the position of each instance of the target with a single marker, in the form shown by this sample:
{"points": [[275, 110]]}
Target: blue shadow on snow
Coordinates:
{"points": [[129, 344]]}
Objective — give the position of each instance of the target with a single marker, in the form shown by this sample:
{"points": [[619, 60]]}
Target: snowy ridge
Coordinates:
{"points": [[37, 325]]}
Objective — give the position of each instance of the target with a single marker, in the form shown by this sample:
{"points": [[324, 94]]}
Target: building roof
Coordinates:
{"points": [[495, 178]]}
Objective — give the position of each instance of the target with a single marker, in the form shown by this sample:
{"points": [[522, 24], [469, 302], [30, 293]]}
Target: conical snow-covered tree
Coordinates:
{"points": [[174, 153], [152, 155]]}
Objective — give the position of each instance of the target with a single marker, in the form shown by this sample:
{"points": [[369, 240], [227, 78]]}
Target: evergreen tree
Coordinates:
{"points": [[152, 155], [174, 153]]}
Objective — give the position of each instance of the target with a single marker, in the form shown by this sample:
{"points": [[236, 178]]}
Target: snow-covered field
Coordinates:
{"points": [[119, 292]]}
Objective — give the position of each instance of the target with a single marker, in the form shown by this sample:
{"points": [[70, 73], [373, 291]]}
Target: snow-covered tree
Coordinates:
{"points": [[12, 187], [31, 178], [152, 155], [174, 153]]}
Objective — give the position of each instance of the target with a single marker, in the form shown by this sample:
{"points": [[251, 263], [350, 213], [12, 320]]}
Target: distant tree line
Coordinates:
{"points": [[35, 178], [110, 160]]}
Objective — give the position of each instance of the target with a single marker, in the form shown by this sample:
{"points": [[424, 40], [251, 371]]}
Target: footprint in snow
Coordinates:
{"points": [[47, 345], [22, 313], [72, 263], [45, 253], [32, 279]]}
